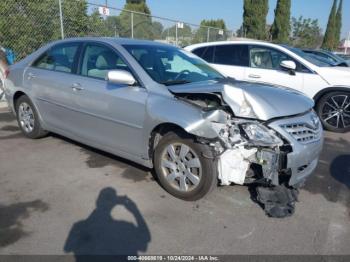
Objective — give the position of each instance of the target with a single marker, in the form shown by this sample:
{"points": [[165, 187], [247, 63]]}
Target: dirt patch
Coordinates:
{"points": [[11, 216]]}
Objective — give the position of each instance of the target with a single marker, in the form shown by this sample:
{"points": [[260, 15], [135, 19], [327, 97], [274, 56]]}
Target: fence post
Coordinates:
{"points": [[61, 18], [208, 35], [132, 25], [176, 40]]}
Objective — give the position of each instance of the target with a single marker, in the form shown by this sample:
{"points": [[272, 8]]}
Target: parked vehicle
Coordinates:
{"points": [[329, 56], [286, 66], [165, 108]]}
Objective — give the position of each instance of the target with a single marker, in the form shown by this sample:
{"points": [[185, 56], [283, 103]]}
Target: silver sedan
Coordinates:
{"points": [[167, 109]]}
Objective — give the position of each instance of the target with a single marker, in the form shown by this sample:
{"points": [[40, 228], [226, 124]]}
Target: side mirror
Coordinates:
{"points": [[120, 77], [289, 66]]}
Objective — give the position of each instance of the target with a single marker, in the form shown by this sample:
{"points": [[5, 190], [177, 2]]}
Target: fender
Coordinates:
{"points": [[169, 110], [330, 89]]}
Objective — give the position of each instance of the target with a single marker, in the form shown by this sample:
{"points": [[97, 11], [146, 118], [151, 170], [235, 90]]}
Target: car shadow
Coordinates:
{"points": [[100, 237]]}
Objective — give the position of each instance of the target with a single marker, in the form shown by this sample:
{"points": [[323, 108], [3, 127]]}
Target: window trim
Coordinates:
{"points": [[277, 50], [75, 62]]}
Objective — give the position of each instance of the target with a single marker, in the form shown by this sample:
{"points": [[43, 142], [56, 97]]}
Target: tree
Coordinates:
{"points": [[75, 18], [142, 24], [338, 24], [280, 29], [306, 33], [184, 35], [329, 38], [157, 30], [27, 25], [254, 18], [215, 28]]}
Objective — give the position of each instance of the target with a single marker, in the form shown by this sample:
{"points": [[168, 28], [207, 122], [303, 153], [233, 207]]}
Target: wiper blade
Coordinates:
{"points": [[175, 82]]}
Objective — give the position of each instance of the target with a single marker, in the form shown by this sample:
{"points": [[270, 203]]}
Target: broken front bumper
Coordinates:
{"points": [[305, 136]]}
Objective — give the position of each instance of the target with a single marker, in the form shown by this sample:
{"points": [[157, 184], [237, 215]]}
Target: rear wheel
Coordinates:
{"points": [[181, 168], [28, 119], [334, 111]]}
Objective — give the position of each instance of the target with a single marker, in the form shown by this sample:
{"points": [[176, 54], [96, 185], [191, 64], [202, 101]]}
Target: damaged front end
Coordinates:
{"points": [[259, 152]]}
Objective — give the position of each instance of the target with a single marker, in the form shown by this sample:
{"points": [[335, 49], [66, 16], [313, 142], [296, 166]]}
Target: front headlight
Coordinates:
{"points": [[260, 135]]}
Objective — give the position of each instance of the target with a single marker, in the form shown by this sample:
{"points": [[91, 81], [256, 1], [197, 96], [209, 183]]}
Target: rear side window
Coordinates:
{"points": [[59, 58], [236, 55], [206, 53]]}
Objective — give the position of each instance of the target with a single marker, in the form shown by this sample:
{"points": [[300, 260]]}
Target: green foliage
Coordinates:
{"points": [[75, 18], [329, 38], [26, 25], [280, 29], [142, 24], [338, 24], [254, 18], [306, 33], [202, 33]]}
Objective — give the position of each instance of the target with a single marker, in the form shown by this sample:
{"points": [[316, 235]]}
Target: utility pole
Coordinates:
{"points": [[347, 42], [61, 18], [132, 25], [176, 41], [208, 34]]}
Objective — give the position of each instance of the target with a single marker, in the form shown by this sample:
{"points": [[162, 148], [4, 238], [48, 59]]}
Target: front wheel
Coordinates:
{"points": [[334, 111], [182, 169]]}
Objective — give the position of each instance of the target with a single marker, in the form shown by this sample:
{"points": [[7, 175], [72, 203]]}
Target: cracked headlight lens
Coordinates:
{"points": [[259, 134]]}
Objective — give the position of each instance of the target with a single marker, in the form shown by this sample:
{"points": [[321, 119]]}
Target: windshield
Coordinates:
{"points": [[309, 57], [171, 66]]}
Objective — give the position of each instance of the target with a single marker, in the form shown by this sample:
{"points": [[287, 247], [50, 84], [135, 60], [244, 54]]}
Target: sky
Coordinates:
{"points": [[193, 11]]}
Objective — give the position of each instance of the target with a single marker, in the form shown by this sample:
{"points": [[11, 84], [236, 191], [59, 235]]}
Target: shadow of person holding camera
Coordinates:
{"points": [[103, 237]]}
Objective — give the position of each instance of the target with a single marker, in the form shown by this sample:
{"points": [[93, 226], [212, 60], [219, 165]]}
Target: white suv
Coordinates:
{"points": [[289, 67]]}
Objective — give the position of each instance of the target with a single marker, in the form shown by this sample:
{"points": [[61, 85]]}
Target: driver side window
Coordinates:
{"points": [[99, 59]]}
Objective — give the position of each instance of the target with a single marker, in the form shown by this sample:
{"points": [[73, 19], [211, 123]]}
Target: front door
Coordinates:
{"points": [[110, 115], [264, 67]]}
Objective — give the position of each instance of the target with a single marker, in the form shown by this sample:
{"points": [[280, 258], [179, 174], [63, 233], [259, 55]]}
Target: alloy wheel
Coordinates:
{"points": [[181, 167], [26, 117], [336, 111]]}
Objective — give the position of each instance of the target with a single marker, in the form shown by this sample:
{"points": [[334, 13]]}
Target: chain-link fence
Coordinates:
{"points": [[25, 25]]}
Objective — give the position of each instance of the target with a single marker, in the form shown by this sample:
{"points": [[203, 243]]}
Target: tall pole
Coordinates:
{"points": [[176, 41], [346, 44], [132, 25], [61, 18], [208, 34]]}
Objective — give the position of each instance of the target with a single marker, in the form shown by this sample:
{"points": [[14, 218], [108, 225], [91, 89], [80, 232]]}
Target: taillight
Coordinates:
{"points": [[7, 72]]}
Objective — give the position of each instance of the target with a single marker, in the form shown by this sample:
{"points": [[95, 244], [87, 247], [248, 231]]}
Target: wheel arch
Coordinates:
{"points": [[159, 131], [327, 90]]}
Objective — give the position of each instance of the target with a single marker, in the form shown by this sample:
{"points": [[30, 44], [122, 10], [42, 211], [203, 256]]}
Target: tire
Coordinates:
{"points": [[188, 176], [334, 111], [27, 118]]}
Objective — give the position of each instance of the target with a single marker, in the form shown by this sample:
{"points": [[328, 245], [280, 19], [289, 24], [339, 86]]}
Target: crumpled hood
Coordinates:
{"points": [[335, 75], [266, 101]]}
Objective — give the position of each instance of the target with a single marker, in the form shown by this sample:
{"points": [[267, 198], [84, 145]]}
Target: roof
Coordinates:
{"points": [[191, 47], [114, 40]]}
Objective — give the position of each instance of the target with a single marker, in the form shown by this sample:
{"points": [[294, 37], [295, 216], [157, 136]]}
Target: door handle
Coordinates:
{"points": [[254, 76], [77, 87], [31, 76]]}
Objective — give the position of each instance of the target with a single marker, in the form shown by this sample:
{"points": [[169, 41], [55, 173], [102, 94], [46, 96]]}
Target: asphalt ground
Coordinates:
{"points": [[60, 197]]}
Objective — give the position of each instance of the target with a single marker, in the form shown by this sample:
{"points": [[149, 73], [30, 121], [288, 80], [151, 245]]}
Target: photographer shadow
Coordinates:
{"points": [[100, 237]]}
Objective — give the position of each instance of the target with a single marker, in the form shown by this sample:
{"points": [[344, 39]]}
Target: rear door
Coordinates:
{"points": [[50, 78], [264, 67]]}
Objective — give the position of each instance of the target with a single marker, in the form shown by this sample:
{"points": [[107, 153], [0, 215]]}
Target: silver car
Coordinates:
{"points": [[165, 108]]}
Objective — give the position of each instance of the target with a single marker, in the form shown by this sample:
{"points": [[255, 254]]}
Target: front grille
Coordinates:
{"points": [[303, 133]]}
